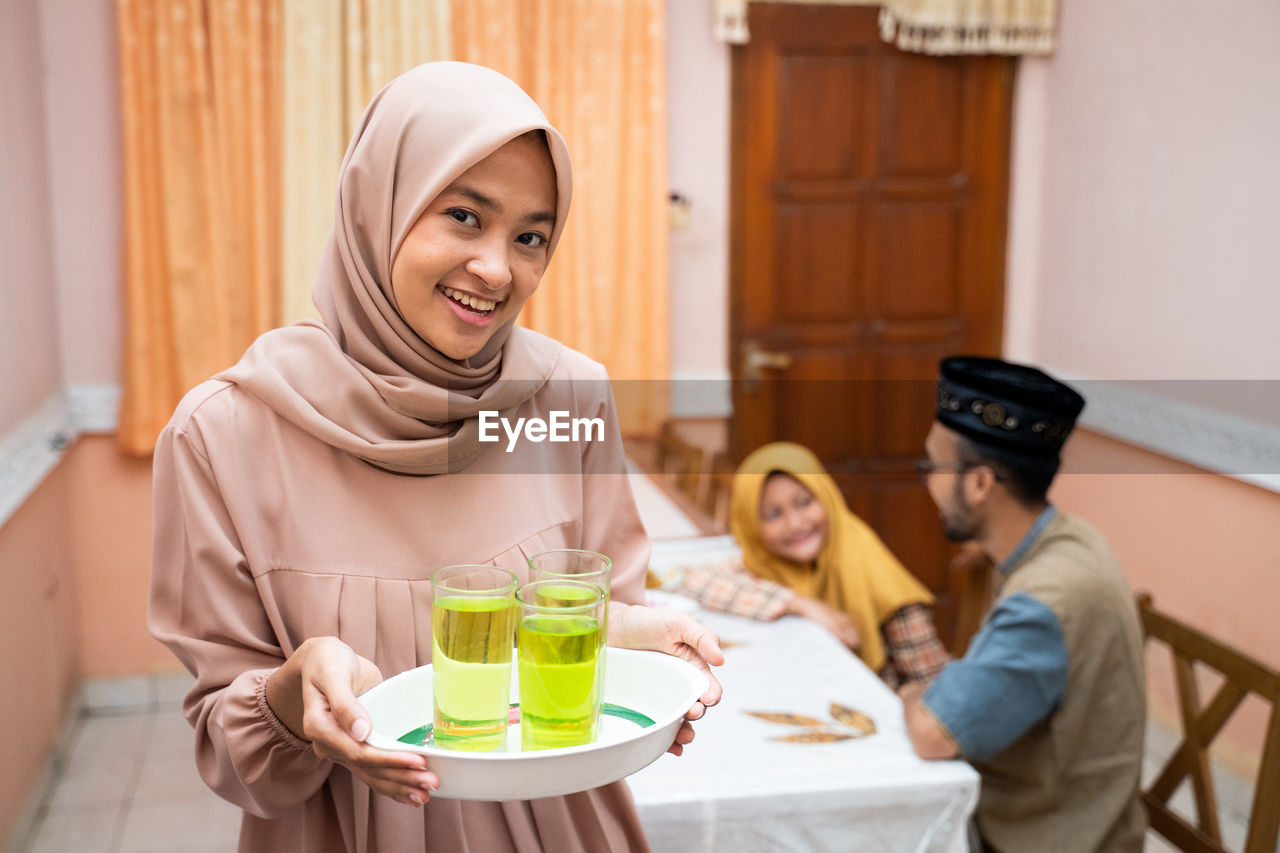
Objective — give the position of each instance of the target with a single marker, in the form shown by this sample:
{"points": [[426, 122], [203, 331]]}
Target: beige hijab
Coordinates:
{"points": [[364, 381]]}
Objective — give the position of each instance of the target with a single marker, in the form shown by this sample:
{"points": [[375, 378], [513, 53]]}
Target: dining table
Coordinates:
{"points": [[782, 763]]}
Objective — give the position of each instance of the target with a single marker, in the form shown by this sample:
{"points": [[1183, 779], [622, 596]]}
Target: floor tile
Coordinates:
{"points": [[205, 820], [224, 847], [171, 689], [169, 777], [108, 739], [92, 829], [119, 695], [94, 782], [170, 735]]}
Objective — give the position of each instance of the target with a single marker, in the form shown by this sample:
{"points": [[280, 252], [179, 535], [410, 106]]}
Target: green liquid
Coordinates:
{"points": [[471, 663], [566, 595], [559, 690]]}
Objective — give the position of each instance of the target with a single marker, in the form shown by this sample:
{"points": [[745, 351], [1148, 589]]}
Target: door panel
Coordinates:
{"points": [[913, 261], [816, 250], [821, 129], [922, 115], [867, 242]]}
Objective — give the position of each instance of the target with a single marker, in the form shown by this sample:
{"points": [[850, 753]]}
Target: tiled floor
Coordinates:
{"points": [[128, 784]]}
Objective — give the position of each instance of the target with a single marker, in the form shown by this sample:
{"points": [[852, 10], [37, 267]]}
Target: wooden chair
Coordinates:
{"points": [[971, 579], [1241, 675], [679, 462], [718, 484]]}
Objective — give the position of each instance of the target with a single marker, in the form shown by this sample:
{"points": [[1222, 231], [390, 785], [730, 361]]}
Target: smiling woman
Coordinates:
{"points": [[305, 496], [480, 248], [805, 553]]}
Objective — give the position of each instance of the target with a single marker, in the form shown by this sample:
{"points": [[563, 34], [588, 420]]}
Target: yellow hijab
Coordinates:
{"points": [[855, 572]]}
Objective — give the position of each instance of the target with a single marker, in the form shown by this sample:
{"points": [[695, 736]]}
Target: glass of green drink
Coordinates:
{"points": [[559, 644], [580, 565], [472, 627], [574, 564]]}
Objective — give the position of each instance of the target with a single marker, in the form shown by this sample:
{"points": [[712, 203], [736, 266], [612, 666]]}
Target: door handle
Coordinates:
{"points": [[756, 360]]}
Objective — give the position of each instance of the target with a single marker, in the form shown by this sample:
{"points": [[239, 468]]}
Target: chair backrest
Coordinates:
{"points": [[971, 577], [1242, 675], [719, 484], [679, 462]]}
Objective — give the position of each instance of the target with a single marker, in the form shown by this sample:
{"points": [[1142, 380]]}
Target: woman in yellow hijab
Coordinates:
{"points": [[805, 553]]}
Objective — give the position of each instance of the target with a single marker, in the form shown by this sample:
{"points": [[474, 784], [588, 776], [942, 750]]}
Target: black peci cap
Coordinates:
{"points": [[1008, 406]]}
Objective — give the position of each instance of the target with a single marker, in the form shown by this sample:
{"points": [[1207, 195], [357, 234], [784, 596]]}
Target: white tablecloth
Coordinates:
{"points": [[663, 519], [735, 790]]}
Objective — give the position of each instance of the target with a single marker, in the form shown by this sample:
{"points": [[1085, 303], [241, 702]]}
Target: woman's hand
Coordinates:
{"points": [[674, 633], [314, 695], [835, 621]]}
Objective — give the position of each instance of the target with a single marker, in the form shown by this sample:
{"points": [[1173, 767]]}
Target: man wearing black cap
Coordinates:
{"points": [[1048, 704]]}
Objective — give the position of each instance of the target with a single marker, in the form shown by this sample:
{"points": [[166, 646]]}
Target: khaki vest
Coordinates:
{"points": [[1070, 784]]}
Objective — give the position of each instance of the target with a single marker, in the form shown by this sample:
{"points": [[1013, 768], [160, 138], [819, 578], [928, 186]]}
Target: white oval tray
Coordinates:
{"points": [[646, 695]]}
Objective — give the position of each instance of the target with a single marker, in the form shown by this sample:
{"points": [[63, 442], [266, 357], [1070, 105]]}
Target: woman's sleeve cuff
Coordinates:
{"points": [[282, 734]]}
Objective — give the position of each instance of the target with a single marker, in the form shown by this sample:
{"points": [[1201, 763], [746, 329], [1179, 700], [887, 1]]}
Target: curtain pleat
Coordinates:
{"points": [[199, 90], [337, 55], [597, 69]]}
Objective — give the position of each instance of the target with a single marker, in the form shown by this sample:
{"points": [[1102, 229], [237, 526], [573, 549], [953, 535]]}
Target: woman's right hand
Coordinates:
{"points": [[314, 695], [835, 621]]}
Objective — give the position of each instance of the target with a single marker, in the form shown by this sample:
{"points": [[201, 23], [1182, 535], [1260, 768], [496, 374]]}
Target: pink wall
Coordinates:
{"points": [[82, 120], [39, 640], [698, 161], [29, 354], [1203, 545], [1147, 147], [110, 531], [74, 564]]}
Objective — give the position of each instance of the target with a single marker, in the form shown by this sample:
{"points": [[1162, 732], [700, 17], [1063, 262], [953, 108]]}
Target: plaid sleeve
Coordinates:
{"points": [[912, 644], [728, 587]]}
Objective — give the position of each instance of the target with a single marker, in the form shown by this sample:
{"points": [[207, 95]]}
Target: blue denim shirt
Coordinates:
{"points": [[1012, 676]]}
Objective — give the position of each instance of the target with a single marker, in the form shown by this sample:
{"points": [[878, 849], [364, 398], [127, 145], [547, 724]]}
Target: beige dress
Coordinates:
{"points": [[266, 536]]}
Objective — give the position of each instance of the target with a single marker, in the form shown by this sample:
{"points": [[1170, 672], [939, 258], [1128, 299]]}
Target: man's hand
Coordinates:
{"points": [[930, 739]]}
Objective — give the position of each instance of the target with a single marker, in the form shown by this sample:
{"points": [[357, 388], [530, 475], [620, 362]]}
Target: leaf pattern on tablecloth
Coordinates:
{"points": [[850, 717], [787, 719], [850, 724], [818, 736]]}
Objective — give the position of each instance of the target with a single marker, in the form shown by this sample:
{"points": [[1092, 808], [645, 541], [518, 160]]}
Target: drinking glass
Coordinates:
{"points": [[579, 565], [559, 643], [573, 564], [472, 628]]}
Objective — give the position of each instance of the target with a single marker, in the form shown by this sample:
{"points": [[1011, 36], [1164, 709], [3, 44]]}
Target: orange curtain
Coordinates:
{"points": [[597, 69], [336, 55], [201, 179]]}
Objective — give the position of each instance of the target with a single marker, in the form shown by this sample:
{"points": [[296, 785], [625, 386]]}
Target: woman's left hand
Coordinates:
{"points": [[633, 626]]}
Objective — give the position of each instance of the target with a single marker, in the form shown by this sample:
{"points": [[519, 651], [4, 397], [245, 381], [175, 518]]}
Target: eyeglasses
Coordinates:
{"points": [[926, 466]]}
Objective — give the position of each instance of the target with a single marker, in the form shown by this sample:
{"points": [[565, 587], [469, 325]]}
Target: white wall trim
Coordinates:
{"points": [[1208, 438], [701, 394], [95, 408], [32, 449]]}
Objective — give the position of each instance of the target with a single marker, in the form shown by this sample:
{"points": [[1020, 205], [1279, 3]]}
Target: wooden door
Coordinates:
{"points": [[867, 241]]}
